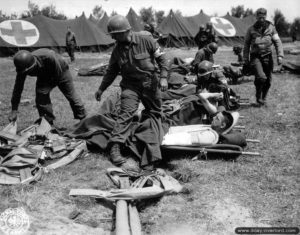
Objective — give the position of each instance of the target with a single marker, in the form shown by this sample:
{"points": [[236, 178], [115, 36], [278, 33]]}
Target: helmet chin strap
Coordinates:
{"points": [[32, 66]]}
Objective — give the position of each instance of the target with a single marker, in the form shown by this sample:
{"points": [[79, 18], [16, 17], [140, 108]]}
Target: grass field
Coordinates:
{"points": [[223, 195]]}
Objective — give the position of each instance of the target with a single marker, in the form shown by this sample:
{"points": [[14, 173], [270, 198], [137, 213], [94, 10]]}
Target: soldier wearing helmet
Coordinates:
{"points": [[210, 33], [201, 37], [51, 70], [134, 56], [258, 53], [207, 75], [151, 29], [213, 80], [205, 53]]}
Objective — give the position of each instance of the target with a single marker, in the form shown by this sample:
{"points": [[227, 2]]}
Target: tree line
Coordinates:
{"points": [[151, 16]]}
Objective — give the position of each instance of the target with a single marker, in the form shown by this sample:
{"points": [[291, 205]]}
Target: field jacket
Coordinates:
{"points": [[135, 61], [51, 67], [258, 41]]}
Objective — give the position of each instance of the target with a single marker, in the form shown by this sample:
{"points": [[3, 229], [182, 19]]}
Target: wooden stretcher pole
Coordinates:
{"points": [[134, 220], [239, 127], [244, 104], [122, 224], [122, 219], [231, 152], [252, 141]]}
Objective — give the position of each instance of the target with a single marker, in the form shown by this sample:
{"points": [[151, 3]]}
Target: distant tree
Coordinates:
{"points": [[3, 16], [49, 11], [238, 11], [98, 12], [25, 14], [14, 16], [178, 12], [159, 16], [248, 12], [295, 29], [147, 15], [33, 9], [282, 26], [113, 13]]}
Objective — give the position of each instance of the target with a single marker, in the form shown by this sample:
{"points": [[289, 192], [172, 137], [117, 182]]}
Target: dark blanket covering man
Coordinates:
{"points": [[146, 134]]}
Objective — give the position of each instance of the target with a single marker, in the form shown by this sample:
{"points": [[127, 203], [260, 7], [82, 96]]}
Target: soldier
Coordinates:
{"points": [[258, 42], [151, 29], [212, 80], [206, 75], [237, 50], [201, 37], [134, 56], [205, 53], [211, 33], [51, 70], [71, 43]]}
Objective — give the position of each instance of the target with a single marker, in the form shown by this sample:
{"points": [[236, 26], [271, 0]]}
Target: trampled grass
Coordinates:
{"points": [[221, 195]]}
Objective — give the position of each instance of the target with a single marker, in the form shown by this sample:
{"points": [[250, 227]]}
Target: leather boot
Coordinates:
{"points": [[115, 155], [265, 91], [259, 94]]}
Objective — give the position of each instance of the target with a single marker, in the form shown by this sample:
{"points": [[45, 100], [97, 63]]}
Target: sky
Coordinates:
{"points": [[72, 8]]}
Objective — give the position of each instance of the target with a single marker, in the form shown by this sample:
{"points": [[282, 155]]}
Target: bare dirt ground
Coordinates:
{"points": [[223, 195]]}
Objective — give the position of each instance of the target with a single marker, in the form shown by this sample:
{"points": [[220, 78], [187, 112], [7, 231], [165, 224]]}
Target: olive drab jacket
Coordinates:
{"points": [[258, 41], [51, 68], [202, 54], [70, 39], [134, 61]]}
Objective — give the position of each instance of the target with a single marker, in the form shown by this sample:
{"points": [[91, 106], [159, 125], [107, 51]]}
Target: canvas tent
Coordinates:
{"points": [[197, 20], [230, 30], [180, 31], [135, 21], [176, 31], [51, 34], [101, 23], [93, 19], [249, 20]]}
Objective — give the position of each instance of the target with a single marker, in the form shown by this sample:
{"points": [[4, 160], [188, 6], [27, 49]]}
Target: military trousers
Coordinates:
{"points": [[71, 51], [66, 86], [130, 99], [263, 67]]}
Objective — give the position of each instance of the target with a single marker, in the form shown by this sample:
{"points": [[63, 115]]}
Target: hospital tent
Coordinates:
{"points": [[50, 33]]}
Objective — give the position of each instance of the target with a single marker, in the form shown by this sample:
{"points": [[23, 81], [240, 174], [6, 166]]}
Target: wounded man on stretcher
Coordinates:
{"points": [[147, 132]]}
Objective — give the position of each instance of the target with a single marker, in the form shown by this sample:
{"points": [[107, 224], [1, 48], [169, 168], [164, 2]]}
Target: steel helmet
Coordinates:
{"points": [[213, 47], [118, 24], [204, 68], [147, 27], [24, 61]]}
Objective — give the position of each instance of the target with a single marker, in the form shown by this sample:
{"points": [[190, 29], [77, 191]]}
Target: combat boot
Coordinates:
{"points": [[258, 95], [115, 155], [265, 91]]}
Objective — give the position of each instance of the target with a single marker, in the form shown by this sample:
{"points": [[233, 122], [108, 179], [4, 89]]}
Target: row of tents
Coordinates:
{"points": [[91, 34]]}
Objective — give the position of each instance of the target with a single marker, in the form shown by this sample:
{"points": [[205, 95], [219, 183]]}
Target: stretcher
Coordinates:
{"points": [[217, 151]]}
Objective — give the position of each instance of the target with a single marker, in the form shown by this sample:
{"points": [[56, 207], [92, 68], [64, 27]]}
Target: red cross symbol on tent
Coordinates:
{"points": [[223, 26], [19, 32]]}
